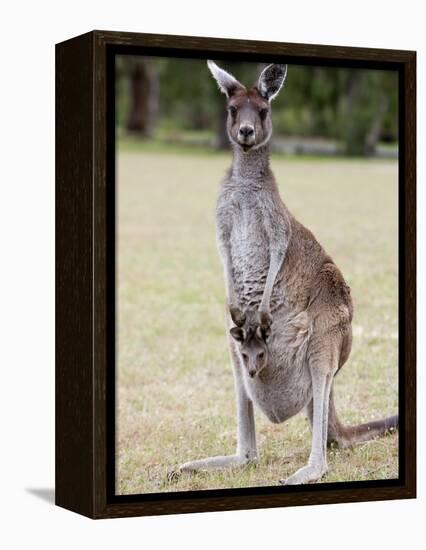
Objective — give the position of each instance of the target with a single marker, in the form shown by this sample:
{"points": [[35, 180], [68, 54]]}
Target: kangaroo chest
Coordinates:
{"points": [[248, 244]]}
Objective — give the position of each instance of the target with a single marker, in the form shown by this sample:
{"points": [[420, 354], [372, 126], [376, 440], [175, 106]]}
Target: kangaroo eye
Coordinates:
{"points": [[263, 113], [233, 110], [261, 355], [244, 355]]}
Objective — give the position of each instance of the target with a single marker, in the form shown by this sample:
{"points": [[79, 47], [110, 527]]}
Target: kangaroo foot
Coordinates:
{"points": [[217, 463], [307, 474]]}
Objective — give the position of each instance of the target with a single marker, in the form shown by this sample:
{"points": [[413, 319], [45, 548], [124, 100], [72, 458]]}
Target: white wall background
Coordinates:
{"points": [[28, 33]]}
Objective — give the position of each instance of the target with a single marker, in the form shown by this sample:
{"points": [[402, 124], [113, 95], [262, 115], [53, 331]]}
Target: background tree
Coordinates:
{"points": [[368, 102], [175, 99], [143, 95]]}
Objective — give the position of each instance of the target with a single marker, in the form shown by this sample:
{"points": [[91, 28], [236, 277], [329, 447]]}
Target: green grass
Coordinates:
{"points": [[175, 386]]}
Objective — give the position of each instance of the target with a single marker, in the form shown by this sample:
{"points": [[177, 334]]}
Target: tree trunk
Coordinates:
{"points": [[352, 132], [143, 98], [373, 135]]}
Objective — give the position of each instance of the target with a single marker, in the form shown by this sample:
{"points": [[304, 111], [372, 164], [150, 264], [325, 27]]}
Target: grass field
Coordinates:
{"points": [[174, 379]]}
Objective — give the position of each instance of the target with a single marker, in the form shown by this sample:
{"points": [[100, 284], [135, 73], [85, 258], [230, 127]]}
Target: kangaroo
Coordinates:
{"points": [[252, 339], [290, 310]]}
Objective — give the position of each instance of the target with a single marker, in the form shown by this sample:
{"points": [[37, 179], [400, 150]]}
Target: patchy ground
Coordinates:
{"points": [[174, 379]]}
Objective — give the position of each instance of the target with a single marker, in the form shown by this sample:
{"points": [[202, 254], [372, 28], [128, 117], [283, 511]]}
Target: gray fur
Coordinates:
{"points": [[271, 80], [276, 272]]}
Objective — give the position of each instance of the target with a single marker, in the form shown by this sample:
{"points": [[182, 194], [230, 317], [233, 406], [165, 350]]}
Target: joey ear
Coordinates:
{"points": [[266, 333], [237, 316], [271, 80], [226, 82], [237, 334], [263, 333]]}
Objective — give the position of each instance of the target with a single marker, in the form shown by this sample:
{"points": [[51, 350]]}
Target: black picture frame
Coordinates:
{"points": [[85, 275]]}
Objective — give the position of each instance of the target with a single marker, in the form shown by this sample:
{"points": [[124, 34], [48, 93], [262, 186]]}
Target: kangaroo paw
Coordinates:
{"points": [[265, 319]]}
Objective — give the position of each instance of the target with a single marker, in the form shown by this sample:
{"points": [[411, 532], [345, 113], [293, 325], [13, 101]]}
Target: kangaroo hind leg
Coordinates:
{"points": [[334, 434], [323, 365]]}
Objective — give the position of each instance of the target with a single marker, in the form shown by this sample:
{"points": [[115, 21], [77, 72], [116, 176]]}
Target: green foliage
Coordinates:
{"points": [[357, 107]]}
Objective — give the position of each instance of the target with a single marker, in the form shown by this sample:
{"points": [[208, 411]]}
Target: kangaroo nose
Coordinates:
{"points": [[246, 131]]}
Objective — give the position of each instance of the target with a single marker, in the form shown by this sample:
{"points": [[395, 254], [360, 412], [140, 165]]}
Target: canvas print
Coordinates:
{"points": [[256, 274]]}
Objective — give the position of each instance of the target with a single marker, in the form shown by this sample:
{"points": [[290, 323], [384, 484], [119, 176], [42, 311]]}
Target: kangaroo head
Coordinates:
{"points": [[249, 122], [252, 339]]}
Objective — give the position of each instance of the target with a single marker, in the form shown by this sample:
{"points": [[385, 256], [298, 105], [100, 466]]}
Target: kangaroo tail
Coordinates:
{"points": [[346, 436]]}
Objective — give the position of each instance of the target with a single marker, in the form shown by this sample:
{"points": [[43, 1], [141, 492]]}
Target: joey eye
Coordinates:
{"points": [[263, 113], [261, 355], [244, 356]]}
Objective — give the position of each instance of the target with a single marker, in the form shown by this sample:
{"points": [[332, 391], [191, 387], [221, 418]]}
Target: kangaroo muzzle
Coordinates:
{"points": [[246, 135]]}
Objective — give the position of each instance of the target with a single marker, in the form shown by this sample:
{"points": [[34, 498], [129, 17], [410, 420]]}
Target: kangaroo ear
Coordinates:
{"points": [[271, 80], [226, 82], [237, 334]]}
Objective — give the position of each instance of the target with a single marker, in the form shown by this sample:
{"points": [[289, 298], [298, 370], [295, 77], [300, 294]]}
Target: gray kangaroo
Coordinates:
{"points": [[290, 310]]}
